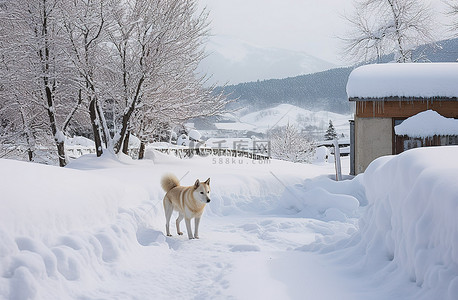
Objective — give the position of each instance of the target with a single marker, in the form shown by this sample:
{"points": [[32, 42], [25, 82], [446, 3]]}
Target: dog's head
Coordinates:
{"points": [[202, 191]]}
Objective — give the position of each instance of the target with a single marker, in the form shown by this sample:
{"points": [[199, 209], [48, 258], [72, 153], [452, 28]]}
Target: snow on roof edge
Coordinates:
{"points": [[407, 80]]}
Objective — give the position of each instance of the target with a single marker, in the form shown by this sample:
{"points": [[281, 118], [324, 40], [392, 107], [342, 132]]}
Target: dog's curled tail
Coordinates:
{"points": [[169, 181]]}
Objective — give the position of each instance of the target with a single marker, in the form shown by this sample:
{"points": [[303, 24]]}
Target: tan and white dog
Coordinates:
{"points": [[188, 201]]}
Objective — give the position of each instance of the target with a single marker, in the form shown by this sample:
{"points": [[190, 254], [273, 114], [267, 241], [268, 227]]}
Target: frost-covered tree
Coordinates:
{"points": [[176, 105], [154, 49], [40, 76], [453, 13], [83, 21], [380, 27], [20, 124], [288, 143], [131, 63], [331, 133]]}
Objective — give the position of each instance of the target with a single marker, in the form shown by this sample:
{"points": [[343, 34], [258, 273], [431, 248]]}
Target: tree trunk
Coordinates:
{"points": [[125, 145], [95, 128], [28, 135], [141, 152], [61, 153], [126, 117], [30, 153], [52, 120], [50, 88], [123, 131], [103, 123]]}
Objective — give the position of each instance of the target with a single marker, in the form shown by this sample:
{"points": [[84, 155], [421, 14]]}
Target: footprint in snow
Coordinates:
{"points": [[245, 248]]}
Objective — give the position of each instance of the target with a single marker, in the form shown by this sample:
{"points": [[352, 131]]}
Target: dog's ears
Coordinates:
{"points": [[197, 183]]}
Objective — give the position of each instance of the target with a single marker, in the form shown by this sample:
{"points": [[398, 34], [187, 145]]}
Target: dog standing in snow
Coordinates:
{"points": [[188, 201]]}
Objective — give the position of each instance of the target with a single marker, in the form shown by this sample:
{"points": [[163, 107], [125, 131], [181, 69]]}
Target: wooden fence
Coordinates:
{"points": [[77, 151], [190, 152]]}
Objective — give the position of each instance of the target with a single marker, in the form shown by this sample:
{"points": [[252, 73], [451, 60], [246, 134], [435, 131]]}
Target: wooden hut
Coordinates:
{"points": [[387, 94]]}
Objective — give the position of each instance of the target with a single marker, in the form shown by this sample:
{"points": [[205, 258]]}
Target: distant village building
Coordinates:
{"points": [[385, 95]]}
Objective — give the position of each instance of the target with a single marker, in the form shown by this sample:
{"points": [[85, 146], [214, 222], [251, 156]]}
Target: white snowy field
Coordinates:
{"points": [[278, 230], [283, 114]]}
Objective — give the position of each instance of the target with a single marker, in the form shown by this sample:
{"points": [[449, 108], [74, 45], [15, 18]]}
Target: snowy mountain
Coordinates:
{"points": [[233, 61]]}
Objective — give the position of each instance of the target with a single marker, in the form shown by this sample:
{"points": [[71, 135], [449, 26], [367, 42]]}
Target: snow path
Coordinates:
{"points": [[236, 258]]}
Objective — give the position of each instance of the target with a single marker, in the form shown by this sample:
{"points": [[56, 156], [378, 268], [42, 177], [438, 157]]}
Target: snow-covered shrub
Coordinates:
{"points": [[183, 140], [194, 135], [321, 154], [288, 143]]}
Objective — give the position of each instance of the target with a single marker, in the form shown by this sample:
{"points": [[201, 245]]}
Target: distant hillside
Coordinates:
{"points": [[447, 51], [319, 91], [443, 51], [324, 90]]}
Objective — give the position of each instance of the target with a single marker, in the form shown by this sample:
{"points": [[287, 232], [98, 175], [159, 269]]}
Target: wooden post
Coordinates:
{"points": [[337, 160]]}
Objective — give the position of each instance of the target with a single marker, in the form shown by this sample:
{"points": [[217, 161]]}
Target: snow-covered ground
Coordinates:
{"points": [[314, 121], [277, 230]]}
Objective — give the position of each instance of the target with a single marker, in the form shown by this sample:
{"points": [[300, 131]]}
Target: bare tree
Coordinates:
{"points": [[181, 100], [19, 119], [43, 80], [156, 47], [380, 27], [453, 13], [84, 21], [21, 125], [288, 143], [132, 63]]}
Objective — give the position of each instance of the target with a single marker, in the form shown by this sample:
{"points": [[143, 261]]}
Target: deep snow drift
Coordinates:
{"points": [[411, 228], [409, 232], [94, 230]]}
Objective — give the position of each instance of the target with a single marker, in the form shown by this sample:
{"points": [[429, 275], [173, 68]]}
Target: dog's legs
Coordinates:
{"points": [[188, 228], [180, 217], [168, 209], [196, 227]]}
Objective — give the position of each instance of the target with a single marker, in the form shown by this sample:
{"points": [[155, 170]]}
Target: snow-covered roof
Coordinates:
{"points": [[426, 124], [410, 80]]}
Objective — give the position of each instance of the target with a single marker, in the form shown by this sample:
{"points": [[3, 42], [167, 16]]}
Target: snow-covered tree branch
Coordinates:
{"points": [[381, 27], [83, 21], [453, 13], [288, 143], [131, 63], [156, 47], [41, 79]]}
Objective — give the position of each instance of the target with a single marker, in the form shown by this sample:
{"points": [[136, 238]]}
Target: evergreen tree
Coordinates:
{"points": [[331, 133]]}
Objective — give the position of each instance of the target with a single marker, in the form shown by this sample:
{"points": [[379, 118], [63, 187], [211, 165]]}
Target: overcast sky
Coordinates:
{"points": [[311, 26]]}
